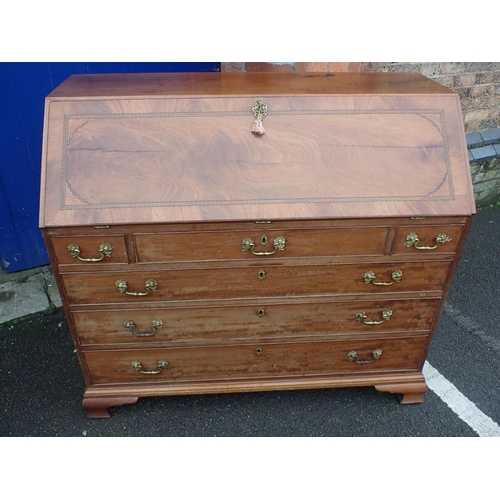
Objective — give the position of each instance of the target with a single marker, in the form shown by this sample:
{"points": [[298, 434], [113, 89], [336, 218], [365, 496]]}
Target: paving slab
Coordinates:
{"points": [[22, 298]]}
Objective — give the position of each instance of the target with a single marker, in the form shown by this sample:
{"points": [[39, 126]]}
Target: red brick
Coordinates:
{"points": [[477, 114], [484, 78], [300, 66], [466, 80], [354, 67], [338, 66], [480, 90], [317, 66]]}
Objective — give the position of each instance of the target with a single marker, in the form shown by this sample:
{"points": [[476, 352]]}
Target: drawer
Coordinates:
{"points": [[90, 250], [259, 243], [254, 360], [426, 240], [265, 281], [263, 321]]}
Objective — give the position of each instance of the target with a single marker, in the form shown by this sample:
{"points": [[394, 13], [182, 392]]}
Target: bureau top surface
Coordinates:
{"points": [[179, 148], [222, 84]]}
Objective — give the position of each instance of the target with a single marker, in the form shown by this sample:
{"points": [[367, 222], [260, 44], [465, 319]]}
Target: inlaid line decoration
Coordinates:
{"points": [[76, 202]]}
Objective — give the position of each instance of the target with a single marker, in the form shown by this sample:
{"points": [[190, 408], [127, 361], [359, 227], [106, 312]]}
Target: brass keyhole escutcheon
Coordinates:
{"points": [[259, 351], [259, 109], [261, 312], [262, 274], [263, 240]]}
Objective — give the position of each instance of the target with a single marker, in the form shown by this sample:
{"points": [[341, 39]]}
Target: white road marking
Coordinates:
{"points": [[466, 410]]}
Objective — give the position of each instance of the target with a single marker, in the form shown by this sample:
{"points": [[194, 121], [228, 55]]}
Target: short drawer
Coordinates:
{"points": [[265, 281], [255, 244], [266, 320], [426, 240], [254, 360], [90, 250]]}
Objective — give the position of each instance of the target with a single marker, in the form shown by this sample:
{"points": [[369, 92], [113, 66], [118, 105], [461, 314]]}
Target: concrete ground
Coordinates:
{"points": [[27, 292], [42, 386]]}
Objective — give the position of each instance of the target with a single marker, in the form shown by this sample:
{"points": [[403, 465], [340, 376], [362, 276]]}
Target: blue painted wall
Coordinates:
{"points": [[23, 88]]}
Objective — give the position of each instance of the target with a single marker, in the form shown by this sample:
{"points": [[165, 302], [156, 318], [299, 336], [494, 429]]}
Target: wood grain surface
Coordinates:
{"points": [[242, 361], [279, 280], [333, 154], [267, 320], [166, 169]]}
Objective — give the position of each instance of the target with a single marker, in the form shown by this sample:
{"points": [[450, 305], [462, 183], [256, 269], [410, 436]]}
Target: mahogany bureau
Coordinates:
{"points": [[249, 232]]}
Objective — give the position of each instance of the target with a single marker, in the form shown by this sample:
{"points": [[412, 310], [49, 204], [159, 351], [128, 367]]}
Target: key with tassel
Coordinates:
{"points": [[259, 110]]}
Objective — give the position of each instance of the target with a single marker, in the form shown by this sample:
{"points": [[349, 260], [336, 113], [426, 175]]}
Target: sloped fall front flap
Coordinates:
{"points": [[134, 152]]}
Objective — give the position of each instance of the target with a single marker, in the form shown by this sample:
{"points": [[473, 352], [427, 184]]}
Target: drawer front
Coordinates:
{"points": [[90, 250], [260, 244], [426, 240], [254, 360], [265, 321], [265, 281]]}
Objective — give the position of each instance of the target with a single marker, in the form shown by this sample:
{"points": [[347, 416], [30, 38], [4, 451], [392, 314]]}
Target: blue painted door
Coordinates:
{"points": [[23, 88]]}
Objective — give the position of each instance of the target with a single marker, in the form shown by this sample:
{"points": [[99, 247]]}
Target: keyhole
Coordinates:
{"points": [[262, 274], [258, 351], [261, 313], [263, 240]]}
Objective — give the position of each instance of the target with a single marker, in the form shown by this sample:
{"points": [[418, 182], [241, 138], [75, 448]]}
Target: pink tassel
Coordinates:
{"points": [[257, 127]]}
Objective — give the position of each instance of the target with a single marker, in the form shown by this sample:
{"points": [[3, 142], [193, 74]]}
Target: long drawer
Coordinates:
{"points": [[254, 360], [266, 320], [269, 243], [265, 281]]}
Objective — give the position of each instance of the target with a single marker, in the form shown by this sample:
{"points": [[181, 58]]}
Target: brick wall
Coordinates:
{"points": [[477, 83]]}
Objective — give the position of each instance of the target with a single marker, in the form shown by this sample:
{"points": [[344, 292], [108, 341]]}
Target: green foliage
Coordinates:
{"points": [[491, 206]]}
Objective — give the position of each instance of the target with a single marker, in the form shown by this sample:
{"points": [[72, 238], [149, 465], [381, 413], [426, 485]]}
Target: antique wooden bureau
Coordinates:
{"points": [[250, 232]]}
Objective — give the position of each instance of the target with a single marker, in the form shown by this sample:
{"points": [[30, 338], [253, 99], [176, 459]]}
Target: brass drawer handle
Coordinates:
{"points": [[156, 324], [353, 356], [412, 240], [361, 317], [151, 286], [370, 278], [248, 244], [162, 365], [105, 250]]}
